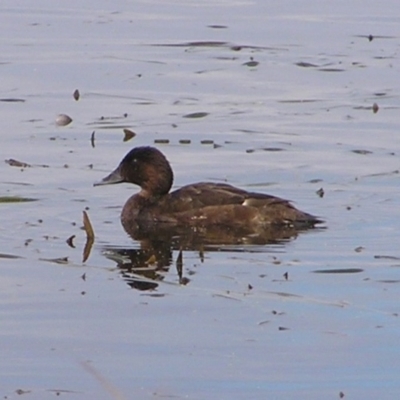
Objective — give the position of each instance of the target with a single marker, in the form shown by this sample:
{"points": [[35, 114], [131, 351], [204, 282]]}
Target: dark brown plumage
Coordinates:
{"points": [[199, 205]]}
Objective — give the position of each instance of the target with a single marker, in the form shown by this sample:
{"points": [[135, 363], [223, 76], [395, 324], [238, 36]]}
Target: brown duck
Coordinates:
{"points": [[199, 205]]}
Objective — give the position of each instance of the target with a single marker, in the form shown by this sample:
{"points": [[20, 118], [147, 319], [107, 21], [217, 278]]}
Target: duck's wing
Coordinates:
{"points": [[204, 194], [225, 204], [209, 194]]}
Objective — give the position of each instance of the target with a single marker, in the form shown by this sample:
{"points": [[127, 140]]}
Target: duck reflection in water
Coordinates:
{"points": [[201, 216]]}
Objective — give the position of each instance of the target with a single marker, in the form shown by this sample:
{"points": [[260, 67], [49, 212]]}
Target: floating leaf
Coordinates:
{"points": [[89, 236], [128, 134], [88, 226], [272, 149], [63, 120], [87, 249], [375, 108]]}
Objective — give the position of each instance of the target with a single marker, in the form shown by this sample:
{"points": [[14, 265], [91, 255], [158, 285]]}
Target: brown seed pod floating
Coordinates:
{"points": [[63, 120], [128, 135]]}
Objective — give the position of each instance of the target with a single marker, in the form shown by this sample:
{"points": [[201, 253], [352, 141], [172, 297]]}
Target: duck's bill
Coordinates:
{"points": [[114, 177]]}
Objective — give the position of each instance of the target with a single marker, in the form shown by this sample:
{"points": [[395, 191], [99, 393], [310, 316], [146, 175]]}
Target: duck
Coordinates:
{"points": [[198, 205]]}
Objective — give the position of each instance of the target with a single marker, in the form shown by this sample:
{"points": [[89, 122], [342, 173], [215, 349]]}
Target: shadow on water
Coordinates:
{"points": [[144, 267]]}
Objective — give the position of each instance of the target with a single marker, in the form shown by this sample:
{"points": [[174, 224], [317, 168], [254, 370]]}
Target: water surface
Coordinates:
{"points": [[274, 98]]}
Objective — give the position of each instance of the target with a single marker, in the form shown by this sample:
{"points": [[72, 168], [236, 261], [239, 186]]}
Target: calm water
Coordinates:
{"points": [[276, 98]]}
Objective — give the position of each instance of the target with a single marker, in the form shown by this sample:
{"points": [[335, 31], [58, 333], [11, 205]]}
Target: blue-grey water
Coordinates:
{"points": [[284, 98]]}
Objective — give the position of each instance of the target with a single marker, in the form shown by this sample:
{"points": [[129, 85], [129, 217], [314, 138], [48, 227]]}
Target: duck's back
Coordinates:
{"points": [[223, 204]]}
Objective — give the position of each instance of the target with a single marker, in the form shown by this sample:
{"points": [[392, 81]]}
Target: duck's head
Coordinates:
{"points": [[146, 167]]}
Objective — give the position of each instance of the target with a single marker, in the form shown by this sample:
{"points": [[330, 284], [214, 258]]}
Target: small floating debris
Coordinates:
{"points": [[92, 139], [15, 199], [70, 241], [128, 134], [383, 257], [20, 392], [339, 271], [185, 141], [251, 63], [161, 141], [60, 260], [217, 26], [112, 118], [63, 120], [272, 149], [13, 100], [359, 249], [320, 192], [372, 37], [362, 152], [9, 256], [305, 64], [15, 163], [286, 276], [76, 94], [375, 108], [206, 141], [331, 69], [200, 114]]}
